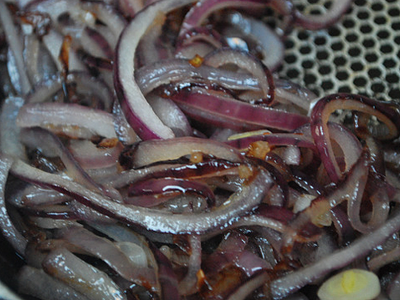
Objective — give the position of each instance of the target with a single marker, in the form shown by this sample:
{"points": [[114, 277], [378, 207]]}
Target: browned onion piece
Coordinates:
{"points": [[247, 198], [138, 112], [8, 229], [149, 152], [385, 112]]}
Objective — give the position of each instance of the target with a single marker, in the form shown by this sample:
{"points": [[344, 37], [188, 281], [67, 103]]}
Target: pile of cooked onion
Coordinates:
{"points": [[149, 150]]}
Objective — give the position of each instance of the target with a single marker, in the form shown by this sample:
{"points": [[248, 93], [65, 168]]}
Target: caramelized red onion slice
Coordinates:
{"points": [[50, 145], [273, 139], [91, 156], [8, 229], [181, 71], [384, 259], [148, 152], [166, 275], [126, 135], [136, 108], [248, 287], [249, 196], [110, 254], [222, 111], [361, 247], [9, 131], [172, 186], [245, 61], [70, 119], [189, 284], [351, 189], [81, 276], [21, 82], [393, 289], [36, 283], [327, 105], [196, 35], [272, 47], [84, 85], [204, 8], [53, 42], [171, 115]]}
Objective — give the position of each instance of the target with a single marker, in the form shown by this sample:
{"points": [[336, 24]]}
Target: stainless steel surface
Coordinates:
{"points": [[360, 54]]}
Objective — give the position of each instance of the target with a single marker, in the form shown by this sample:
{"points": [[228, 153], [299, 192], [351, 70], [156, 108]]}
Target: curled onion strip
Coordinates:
{"points": [[138, 112], [327, 105]]}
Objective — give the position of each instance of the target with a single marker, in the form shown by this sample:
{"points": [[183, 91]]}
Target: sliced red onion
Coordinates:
{"points": [[22, 83], [9, 131], [51, 146], [393, 289], [95, 43], [69, 119], [198, 13], [172, 186], [348, 142], [137, 110], [351, 189], [122, 234], [380, 210], [245, 61], [90, 156], [32, 196], [149, 152], [81, 276], [342, 224], [290, 93], [225, 112], [382, 260], [276, 139], [123, 130], [9, 231], [188, 285], [166, 276], [271, 44], [314, 22], [251, 263], [181, 71], [151, 47], [228, 251], [130, 7], [110, 254], [53, 42], [50, 223], [171, 115], [88, 214], [194, 37], [327, 105], [38, 61], [107, 15], [36, 283], [248, 287], [86, 86], [240, 202], [294, 281]]}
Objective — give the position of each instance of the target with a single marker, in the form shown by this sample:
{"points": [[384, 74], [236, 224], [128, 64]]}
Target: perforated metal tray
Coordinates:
{"points": [[360, 54]]}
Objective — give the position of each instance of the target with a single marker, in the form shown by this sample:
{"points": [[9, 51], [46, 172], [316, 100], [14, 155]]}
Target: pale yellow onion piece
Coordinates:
{"points": [[353, 284]]}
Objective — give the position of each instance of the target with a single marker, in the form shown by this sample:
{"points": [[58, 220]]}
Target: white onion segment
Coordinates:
{"points": [[138, 112]]}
